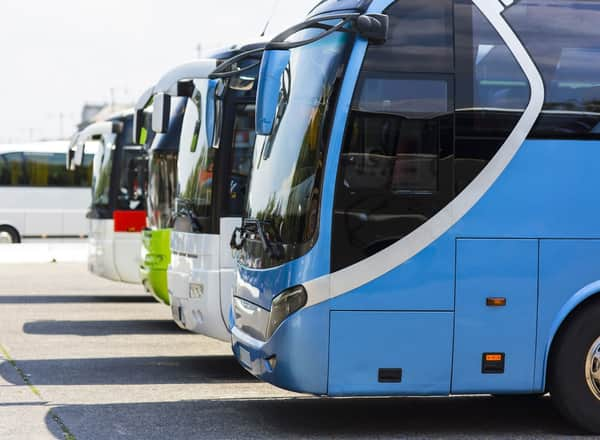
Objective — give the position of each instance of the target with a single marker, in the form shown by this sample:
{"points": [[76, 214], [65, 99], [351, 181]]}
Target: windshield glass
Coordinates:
{"points": [[123, 190], [102, 170], [133, 171], [284, 190], [196, 166], [161, 188]]}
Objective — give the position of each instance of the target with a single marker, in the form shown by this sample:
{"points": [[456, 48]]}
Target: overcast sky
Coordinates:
{"points": [[59, 54]]}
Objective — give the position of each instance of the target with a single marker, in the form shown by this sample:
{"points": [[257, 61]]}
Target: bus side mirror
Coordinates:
{"points": [[139, 126], [214, 111], [161, 113], [274, 63], [209, 120]]}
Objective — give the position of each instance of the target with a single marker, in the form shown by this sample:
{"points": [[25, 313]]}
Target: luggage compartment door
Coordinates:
{"points": [[495, 316]]}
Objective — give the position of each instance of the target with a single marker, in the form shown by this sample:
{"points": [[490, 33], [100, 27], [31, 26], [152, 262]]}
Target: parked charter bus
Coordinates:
{"points": [[162, 150], [117, 214], [39, 198], [422, 214], [215, 152]]}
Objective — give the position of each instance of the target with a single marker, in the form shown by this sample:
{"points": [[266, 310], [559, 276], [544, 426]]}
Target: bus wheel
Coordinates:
{"points": [[9, 235], [574, 375]]}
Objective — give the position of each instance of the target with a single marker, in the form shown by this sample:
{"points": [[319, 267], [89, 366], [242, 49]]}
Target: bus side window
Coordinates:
{"points": [[432, 107], [563, 38], [4, 170], [241, 158], [12, 169]]}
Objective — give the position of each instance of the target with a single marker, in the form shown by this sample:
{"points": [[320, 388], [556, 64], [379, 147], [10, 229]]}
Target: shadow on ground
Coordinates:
{"points": [[129, 371], [74, 299], [458, 417], [102, 328]]}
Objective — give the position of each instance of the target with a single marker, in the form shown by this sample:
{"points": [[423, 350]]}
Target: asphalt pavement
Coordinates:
{"points": [[85, 358]]}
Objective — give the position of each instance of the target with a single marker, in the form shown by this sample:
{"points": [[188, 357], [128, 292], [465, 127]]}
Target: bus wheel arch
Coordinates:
{"points": [[9, 234], [576, 334]]}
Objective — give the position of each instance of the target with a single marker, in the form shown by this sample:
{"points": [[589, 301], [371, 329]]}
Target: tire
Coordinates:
{"points": [[578, 399], [9, 235]]}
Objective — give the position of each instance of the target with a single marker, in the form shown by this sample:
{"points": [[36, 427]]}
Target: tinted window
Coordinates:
{"points": [[563, 38], [132, 179], [420, 39], [243, 140], [12, 169], [416, 139], [43, 170], [396, 165], [491, 93]]}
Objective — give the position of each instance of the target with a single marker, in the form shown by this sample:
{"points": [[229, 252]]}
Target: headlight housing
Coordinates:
{"points": [[285, 304]]}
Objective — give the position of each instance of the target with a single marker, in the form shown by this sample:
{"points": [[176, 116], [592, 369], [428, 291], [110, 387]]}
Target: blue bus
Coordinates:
{"points": [[422, 215]]}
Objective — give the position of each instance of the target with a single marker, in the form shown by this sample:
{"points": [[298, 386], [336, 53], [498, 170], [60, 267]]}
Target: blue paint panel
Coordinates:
{"points": [[566, 266], [363, 342], [301, 345], [495, 268], [547, 191], [426, 282]]}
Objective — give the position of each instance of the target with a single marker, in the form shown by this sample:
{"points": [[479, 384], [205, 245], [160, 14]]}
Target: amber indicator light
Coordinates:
{"points": [[493, 357], [495, 302], [493, 363]]}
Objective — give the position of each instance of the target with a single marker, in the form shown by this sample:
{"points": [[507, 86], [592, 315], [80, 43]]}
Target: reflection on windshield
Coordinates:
{"points": [[129, 177], [161, 189], [102, 170], [286, 177], [196, 161]]}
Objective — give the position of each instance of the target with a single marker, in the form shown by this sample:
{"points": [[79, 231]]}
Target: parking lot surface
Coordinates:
{"points": [[85, 358]]}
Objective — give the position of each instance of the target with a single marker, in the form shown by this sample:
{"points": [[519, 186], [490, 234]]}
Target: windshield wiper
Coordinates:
{"points": [[257, 227]]}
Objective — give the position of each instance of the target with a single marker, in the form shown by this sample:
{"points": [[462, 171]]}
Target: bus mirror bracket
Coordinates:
{"points": [[274, 63]]}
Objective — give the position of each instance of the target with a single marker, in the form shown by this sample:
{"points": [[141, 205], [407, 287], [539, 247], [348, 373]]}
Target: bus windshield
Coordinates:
{"points": [[284, 192], [119, 174], [196, 166], [102, 171], [161, 188]]}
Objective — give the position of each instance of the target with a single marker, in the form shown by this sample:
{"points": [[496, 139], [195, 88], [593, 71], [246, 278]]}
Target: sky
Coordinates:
{"points": [[58, 55]]}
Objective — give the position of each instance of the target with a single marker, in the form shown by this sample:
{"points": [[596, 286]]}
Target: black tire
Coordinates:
{"points": [[569, 388], [12, 233]]}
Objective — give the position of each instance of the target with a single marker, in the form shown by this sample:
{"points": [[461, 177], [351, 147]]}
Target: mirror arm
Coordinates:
{"points": [[315, 22], [282, 45], [232, 73], [233, 60]]}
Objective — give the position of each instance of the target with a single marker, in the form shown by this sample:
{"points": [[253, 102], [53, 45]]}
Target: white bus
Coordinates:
{"points": [[38, 197], [117, 213]]}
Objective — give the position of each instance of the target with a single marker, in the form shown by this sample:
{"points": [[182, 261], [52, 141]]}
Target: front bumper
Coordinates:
{"points": [[295, 357], [156, 256], [155, 283], [197, 313]]}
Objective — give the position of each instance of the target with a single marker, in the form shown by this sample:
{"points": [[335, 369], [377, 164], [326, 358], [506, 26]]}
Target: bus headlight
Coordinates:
{"points": [[285, 304]]}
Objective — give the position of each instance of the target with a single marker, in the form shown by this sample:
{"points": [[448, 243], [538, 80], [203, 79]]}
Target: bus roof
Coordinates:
{"points": [[36, 147], [43, 147]]}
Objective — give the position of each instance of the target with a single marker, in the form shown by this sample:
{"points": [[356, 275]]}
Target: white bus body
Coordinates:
{"points": [[38, 197], [116, 217], [202, 270]]}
